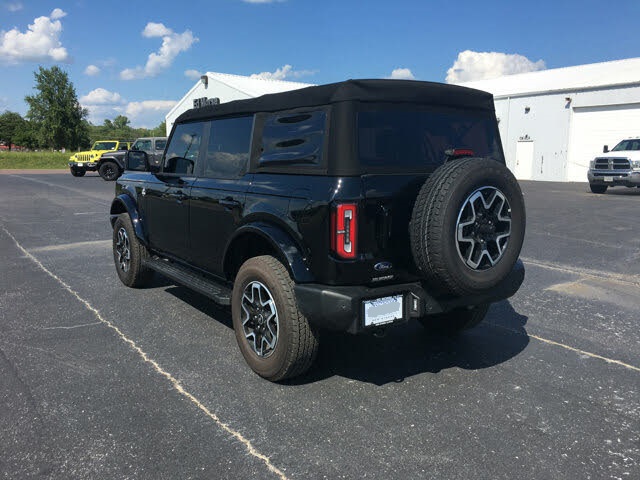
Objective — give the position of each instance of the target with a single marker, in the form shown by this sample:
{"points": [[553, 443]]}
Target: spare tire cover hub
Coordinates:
{"points": [[483, 228]]}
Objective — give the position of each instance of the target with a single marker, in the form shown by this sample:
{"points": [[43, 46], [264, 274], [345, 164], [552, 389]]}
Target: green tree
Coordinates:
{"points": [[57, 116], [11, 126], [121, 122]]}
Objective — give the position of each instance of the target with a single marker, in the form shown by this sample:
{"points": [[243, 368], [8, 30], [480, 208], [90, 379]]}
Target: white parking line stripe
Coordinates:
{"points": [[174, 382], [582, 352], [66, 246], [584, 272]]}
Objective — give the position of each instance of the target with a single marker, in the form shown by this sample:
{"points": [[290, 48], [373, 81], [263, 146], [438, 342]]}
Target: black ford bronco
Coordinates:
{"points": [[352, 206]]}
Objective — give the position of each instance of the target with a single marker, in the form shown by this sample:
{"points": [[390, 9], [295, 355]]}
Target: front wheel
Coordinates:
{"points": [[109, 171], [275, 339], [455, 321], [598, 188], [78, 172], [129, 254]]}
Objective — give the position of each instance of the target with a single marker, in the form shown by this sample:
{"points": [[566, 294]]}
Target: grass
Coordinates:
{"points": [[34, 160]]}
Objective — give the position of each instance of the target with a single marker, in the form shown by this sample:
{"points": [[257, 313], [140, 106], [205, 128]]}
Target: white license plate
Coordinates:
{"points": [[382, 310], [80, 164], [608, 179]]}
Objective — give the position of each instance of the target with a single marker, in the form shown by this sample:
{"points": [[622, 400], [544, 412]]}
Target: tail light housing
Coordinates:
{"points": [[344, 231]]}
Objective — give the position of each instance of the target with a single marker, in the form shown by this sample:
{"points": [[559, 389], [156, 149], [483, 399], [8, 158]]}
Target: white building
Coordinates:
{"points": [[228, 87], [553, 122]]}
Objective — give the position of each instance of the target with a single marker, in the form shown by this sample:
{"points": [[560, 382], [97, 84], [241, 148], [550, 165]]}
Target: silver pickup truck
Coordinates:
{"points": [[618, 167]]}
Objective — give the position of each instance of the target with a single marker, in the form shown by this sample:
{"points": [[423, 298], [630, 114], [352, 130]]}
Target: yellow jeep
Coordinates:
{"points": [[81, 162]]}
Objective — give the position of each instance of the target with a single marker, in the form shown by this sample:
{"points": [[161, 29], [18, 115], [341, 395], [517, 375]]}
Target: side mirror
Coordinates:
{"points": [[605, 149], [137, 161]]}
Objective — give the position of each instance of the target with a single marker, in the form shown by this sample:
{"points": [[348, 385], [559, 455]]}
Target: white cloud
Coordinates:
{"points": [[57, 14], [471, 66], [172, 44], [103, 104], [14, 6], [156, 30], [148, 113], [39, 43], [92, 70], [286, 71], [193, 74], [100, 96], [402, 74]]}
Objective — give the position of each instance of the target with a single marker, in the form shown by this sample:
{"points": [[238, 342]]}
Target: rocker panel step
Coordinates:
{"points": [[179, 274]]}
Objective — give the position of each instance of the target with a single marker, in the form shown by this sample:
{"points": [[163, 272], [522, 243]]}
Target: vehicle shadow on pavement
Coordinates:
{"points": [[410, 350], [404, 351], [203, 304]]}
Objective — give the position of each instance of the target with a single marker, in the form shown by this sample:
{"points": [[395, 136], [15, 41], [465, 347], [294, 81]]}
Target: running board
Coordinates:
{"points": [[182, 275]]}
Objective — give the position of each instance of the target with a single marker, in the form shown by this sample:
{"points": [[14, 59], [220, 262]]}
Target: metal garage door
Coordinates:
{"points": [[593, 127]]}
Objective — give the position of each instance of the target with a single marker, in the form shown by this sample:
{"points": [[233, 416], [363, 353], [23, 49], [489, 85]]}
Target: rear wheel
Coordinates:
{"points": [[109, 171], [275, 339], [598, 188], [78, 172], [456, 320]]}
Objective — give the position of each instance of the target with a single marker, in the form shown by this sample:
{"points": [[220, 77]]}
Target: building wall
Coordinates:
{"points": [[540, 144], [212, 90]]}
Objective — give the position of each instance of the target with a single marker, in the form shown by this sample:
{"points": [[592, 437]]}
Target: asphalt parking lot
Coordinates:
{"points": [[101, 381]]}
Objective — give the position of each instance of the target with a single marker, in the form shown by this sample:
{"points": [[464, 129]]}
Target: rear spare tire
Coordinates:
{"points": [[467, 226]]}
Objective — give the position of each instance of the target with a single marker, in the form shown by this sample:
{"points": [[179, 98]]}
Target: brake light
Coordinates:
{"points": [[344, 221]]}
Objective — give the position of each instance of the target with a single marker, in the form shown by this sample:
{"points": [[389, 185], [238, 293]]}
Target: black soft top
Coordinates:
{"points": [[393, 91]]}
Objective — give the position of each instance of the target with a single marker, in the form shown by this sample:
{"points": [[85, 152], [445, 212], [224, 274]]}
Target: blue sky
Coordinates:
{"points": [[137, 58]]}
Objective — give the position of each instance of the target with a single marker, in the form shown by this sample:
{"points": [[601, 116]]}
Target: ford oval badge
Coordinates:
{"points": [[383, 266]]}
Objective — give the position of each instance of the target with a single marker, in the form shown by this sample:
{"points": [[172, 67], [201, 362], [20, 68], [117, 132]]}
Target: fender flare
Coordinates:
{"points": [[124, 203], [110, 158], [282, 242]]}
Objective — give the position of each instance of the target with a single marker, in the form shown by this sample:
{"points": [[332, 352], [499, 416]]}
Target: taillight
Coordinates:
{"points": [[344, 221]]}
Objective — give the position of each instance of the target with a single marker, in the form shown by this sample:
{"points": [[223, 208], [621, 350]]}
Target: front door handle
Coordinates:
{"points": [[229, 202], [179, 196]]}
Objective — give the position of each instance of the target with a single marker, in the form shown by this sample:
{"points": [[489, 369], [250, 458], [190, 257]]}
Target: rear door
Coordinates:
{"points": [[218, 195], [167, 194]]}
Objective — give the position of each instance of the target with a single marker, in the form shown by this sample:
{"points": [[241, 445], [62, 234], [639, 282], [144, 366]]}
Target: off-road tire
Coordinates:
{"points": [[136, 274], [455, 321], [297, 341], [598, 188], [109, 171], [77, 172], [434, 225]]}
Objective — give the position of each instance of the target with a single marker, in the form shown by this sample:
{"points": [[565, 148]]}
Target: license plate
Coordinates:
{"points": [[608, 179], [81, 164], [382, 310]]}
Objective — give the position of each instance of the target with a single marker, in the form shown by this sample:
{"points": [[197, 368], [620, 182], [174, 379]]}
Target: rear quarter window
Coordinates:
{"points": [[293, 140], [410, 140]]}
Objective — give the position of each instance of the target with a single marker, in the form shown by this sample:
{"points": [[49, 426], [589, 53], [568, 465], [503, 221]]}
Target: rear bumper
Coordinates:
{"points": [[612, 178], [342, 309]]}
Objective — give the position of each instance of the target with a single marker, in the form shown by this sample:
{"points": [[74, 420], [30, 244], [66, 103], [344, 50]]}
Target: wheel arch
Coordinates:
{"points": [[265, 239], [125, 204]]}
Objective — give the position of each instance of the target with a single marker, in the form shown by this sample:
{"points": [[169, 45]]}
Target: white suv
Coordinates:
{"points": [[618, 167]]}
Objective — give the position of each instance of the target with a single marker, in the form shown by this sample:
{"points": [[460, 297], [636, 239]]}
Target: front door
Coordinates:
{"points": [[167, 195]]}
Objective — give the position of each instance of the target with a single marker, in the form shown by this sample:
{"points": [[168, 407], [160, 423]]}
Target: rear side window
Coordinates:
{"points": [[414, 140], [228, 147], [160, 144], [182, 154], [293, 139]]}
